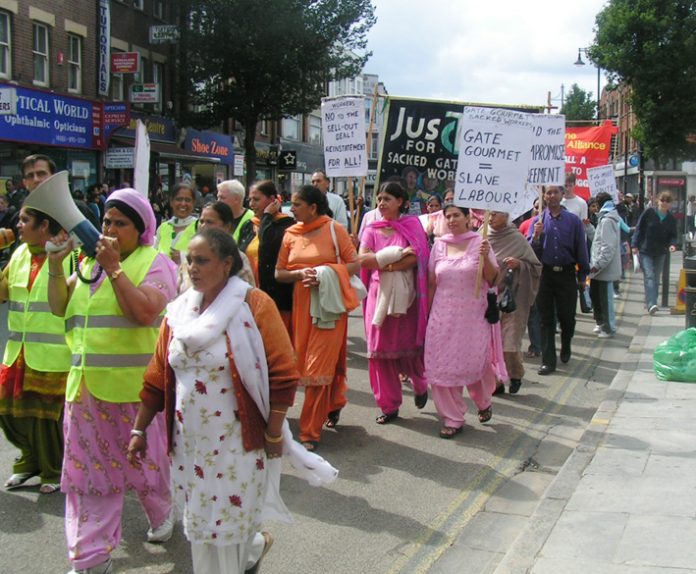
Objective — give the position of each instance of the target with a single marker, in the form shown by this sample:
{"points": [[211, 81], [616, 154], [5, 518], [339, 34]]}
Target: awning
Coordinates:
{"points": [[169, 151]]}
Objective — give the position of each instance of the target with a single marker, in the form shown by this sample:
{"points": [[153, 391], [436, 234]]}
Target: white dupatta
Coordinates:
{"points": [[229, 313]]}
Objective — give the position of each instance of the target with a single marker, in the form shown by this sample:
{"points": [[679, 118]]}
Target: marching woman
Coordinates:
{"points": [[174, 235], [449, 365], [311, 249], [394, 259], [36, 362], [112, 320]]}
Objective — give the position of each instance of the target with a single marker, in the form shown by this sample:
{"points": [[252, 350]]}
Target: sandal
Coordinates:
{"points": [[49, 487], [18, 479], [385, 418], [450, 432], [332, 419], [532, 354], [421, 400], [499, 390], [310, 445], [485, 415]]}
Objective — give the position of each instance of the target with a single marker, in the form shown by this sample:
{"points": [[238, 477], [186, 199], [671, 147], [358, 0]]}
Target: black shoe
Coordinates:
{"points": [[515, 385], [421, 400], [546, 369], [499, 389], [565, 355]]}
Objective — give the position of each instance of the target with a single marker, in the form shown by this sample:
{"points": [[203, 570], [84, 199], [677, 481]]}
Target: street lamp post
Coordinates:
{"points": [[581, 62]]}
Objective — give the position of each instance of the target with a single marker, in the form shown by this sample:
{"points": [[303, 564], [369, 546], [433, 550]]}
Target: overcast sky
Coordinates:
{"points": [[490, 51]]}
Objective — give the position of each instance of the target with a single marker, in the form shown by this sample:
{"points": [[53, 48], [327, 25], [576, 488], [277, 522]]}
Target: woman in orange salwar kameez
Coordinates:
{"points": [[308, 248]]}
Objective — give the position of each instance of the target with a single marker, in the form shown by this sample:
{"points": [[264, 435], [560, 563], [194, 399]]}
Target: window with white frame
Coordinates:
{"points": [[158, 9], [138, 4], [5, 46], [314, 129], [263, 127], [158, 78], [40, 54], [292, 128], [117, 85], [74, 63]]}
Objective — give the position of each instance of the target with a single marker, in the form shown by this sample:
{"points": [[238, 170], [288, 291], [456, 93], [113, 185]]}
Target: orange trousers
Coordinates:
{"points": [[319, 401]]}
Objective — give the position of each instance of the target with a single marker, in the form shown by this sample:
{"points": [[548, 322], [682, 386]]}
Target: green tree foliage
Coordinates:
{"points": [[651, 46], [266, 59], [579, 104]]}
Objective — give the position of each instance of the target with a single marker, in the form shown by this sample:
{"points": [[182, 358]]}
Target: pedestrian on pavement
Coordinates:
{"points": [[605, 266], [173, 235], [394, 253], [336, 204], [654, 236], [451, 365], [514, 254], [558, 239], [224, 373], [112, 322], [313, 251], [36, 361], [268, 227]]}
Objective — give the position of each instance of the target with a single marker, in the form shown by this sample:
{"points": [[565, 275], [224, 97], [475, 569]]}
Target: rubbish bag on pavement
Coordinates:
{"points": [[675, 358]]}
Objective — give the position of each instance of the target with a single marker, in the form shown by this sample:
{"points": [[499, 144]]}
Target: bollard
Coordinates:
{"points": [[690, 314]]}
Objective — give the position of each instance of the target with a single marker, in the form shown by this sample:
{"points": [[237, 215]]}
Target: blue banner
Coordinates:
{"points": [[210, 144]]}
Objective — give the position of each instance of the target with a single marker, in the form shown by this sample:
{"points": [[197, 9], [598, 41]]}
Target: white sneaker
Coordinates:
{"points": [[653, 309], [605, 335], [103, 568], [616, 295], [163, 532], [597, 329]]}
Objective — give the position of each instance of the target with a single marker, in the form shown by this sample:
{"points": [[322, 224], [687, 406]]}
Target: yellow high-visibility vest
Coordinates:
{"points": [[165, 236]]}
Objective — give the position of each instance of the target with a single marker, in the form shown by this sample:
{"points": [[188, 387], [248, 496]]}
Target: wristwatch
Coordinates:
{"points": [[116, 274]]}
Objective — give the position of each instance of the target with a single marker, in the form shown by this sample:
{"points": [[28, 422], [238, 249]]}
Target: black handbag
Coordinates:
{"points": [[506, 303], [492, 313]]}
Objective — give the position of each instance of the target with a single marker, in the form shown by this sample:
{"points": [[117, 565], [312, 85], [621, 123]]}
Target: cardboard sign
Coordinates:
{"points": [[602, 179], [494, 154], [345, 142], [547, 165]]}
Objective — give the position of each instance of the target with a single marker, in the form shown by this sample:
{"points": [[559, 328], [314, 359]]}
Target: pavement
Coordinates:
{"points": [[624, 502]]}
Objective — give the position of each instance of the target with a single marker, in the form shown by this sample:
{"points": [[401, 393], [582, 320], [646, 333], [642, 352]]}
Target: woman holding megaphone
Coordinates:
{"points": [[112, 322]]}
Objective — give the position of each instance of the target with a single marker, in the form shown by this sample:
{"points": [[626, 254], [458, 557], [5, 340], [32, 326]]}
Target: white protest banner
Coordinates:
{"points": [[547, 164], [494, 151], [141, 175], [529, 194], [602, 179], [343, 130]]}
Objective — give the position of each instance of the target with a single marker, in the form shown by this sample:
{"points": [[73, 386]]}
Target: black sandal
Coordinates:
{"points": [[421, 400], [332, 419], [385, 418], [485, 415]]}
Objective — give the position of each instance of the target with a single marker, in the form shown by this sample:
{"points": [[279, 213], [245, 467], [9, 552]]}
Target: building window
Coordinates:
{"points": [[292, 127], [74, 63], [138, 4], [314, 129], [263, 127], [117, 84], [40, 53], [158, 9], [158, 78], [5, 48]]}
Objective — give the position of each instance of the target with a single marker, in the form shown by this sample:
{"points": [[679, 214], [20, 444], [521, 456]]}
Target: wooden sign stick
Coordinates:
{"points": [[479, 273]]}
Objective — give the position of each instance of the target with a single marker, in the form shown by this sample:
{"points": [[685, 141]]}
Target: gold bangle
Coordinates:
{"points": [[273, 439], [56, 274], [390, 267], [279, 412]]}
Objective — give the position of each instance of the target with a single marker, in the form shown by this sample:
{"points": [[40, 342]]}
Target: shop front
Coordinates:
{"points": [[209, 158], [70, 130], [675, 183], [309, 158]]}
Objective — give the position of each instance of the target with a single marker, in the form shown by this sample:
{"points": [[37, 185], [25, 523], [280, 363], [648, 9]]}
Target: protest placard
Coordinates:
{"points": [[586, 148], [343, 130], [547, 165], [494, 155], [529, 194], [602, 179]]}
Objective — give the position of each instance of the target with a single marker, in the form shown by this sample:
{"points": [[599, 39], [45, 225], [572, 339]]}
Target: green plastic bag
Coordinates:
{"points": [[675, 359]]}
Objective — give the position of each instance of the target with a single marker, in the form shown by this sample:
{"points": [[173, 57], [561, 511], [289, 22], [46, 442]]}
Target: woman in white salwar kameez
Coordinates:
{"points": [[224, 372]]}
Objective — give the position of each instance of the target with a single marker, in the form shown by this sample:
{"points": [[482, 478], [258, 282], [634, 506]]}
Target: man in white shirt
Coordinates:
{"points": [[572, 202], [336, 204]]}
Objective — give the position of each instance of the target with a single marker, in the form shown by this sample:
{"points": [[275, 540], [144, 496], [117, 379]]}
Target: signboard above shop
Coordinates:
{"points": [[125, 63], [210, 144], [164, 34], [144, 93]]}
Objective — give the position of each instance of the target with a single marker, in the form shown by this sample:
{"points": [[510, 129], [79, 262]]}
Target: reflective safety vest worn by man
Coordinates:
{"points": [[108, 350], [30, 320]]}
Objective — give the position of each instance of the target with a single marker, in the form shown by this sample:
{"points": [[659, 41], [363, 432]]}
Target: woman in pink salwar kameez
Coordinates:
{"points": [[395, 346], [461, 348]]}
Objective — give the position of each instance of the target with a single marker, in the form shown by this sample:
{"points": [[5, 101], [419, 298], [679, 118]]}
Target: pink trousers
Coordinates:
{"points": [[385, 382], [451, 405]]}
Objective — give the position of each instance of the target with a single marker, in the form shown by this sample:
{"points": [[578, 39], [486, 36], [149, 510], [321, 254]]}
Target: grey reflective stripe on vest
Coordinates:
{"points": [[112, 361], [35, 306], [107, 322], [37, 338]]}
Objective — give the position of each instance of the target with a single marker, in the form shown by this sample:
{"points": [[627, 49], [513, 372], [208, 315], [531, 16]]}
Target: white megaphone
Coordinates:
{"points": [[52, 197]]}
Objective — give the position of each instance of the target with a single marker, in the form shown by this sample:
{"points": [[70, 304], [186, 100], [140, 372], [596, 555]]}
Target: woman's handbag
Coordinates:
{"points": [[506, 302], [355, 282], [492, 313]]}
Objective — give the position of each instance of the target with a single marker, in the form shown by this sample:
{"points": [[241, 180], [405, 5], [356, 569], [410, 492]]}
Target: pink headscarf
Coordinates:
{"points": [[142, 207]]}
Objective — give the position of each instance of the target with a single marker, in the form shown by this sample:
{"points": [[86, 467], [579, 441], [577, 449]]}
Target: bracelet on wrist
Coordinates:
{"points": [[50, 274], [278, 411], [273, 439], [136, 432]]}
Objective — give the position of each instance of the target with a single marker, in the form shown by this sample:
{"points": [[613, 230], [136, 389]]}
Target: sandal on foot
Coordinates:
{"points": [[332, 419], [49, 487], [499, 390], [385, 418], [18, 479], [532, 354], [485, 415], [310, 445], [421, 400], [450, 432]]}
